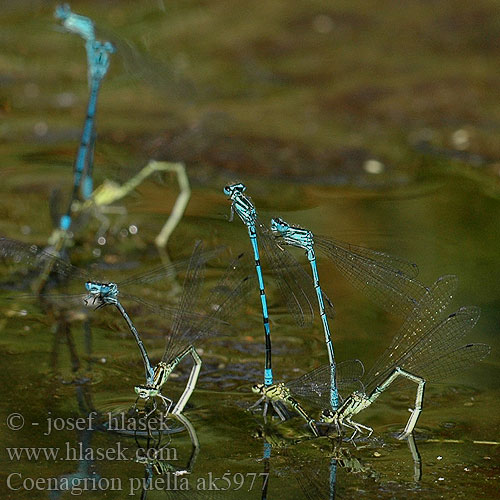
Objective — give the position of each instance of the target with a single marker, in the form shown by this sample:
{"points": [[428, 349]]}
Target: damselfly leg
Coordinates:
{"points": [[193, 378]]}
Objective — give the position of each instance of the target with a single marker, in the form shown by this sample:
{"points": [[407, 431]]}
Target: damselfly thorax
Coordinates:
{"points": [[274, 392], [293, 235], [352, 405], [160, 375], [359, 401], [342, 417], [280, 393], [153, 386]]}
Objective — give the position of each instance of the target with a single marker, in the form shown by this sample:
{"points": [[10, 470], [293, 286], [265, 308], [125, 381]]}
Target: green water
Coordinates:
{"points": [[294, 100]]}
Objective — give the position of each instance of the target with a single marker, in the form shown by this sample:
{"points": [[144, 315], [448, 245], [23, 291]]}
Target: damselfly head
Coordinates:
{"points": [[142, 460], [357, 396], [145, 392], [278, 225], [233, 190], [62, 12], [327, 416], [102, 290], [258, 388]]}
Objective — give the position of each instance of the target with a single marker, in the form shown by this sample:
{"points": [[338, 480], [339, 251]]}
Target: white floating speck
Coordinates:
{"points": [[132, 229], [460, 139], [373, 167], [65, 99], [323, 24], [101, 240], [40, 129]]}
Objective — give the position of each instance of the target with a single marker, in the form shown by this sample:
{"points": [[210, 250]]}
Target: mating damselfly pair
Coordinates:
{"points": [[84, 200], [191, 321], [427, 348]]}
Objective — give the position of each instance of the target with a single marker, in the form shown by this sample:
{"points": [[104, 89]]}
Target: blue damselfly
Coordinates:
{"points": [[222, 304], [99, 293], [294, 283], [389, 281], [98, 64], [303, 238]]}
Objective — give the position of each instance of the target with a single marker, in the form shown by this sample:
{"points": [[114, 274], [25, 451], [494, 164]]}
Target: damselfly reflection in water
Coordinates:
{"points": [[332, 470], [312, 463], [86, 476], [162, 460], [81, 365], [321, 467], [318, 478]]}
